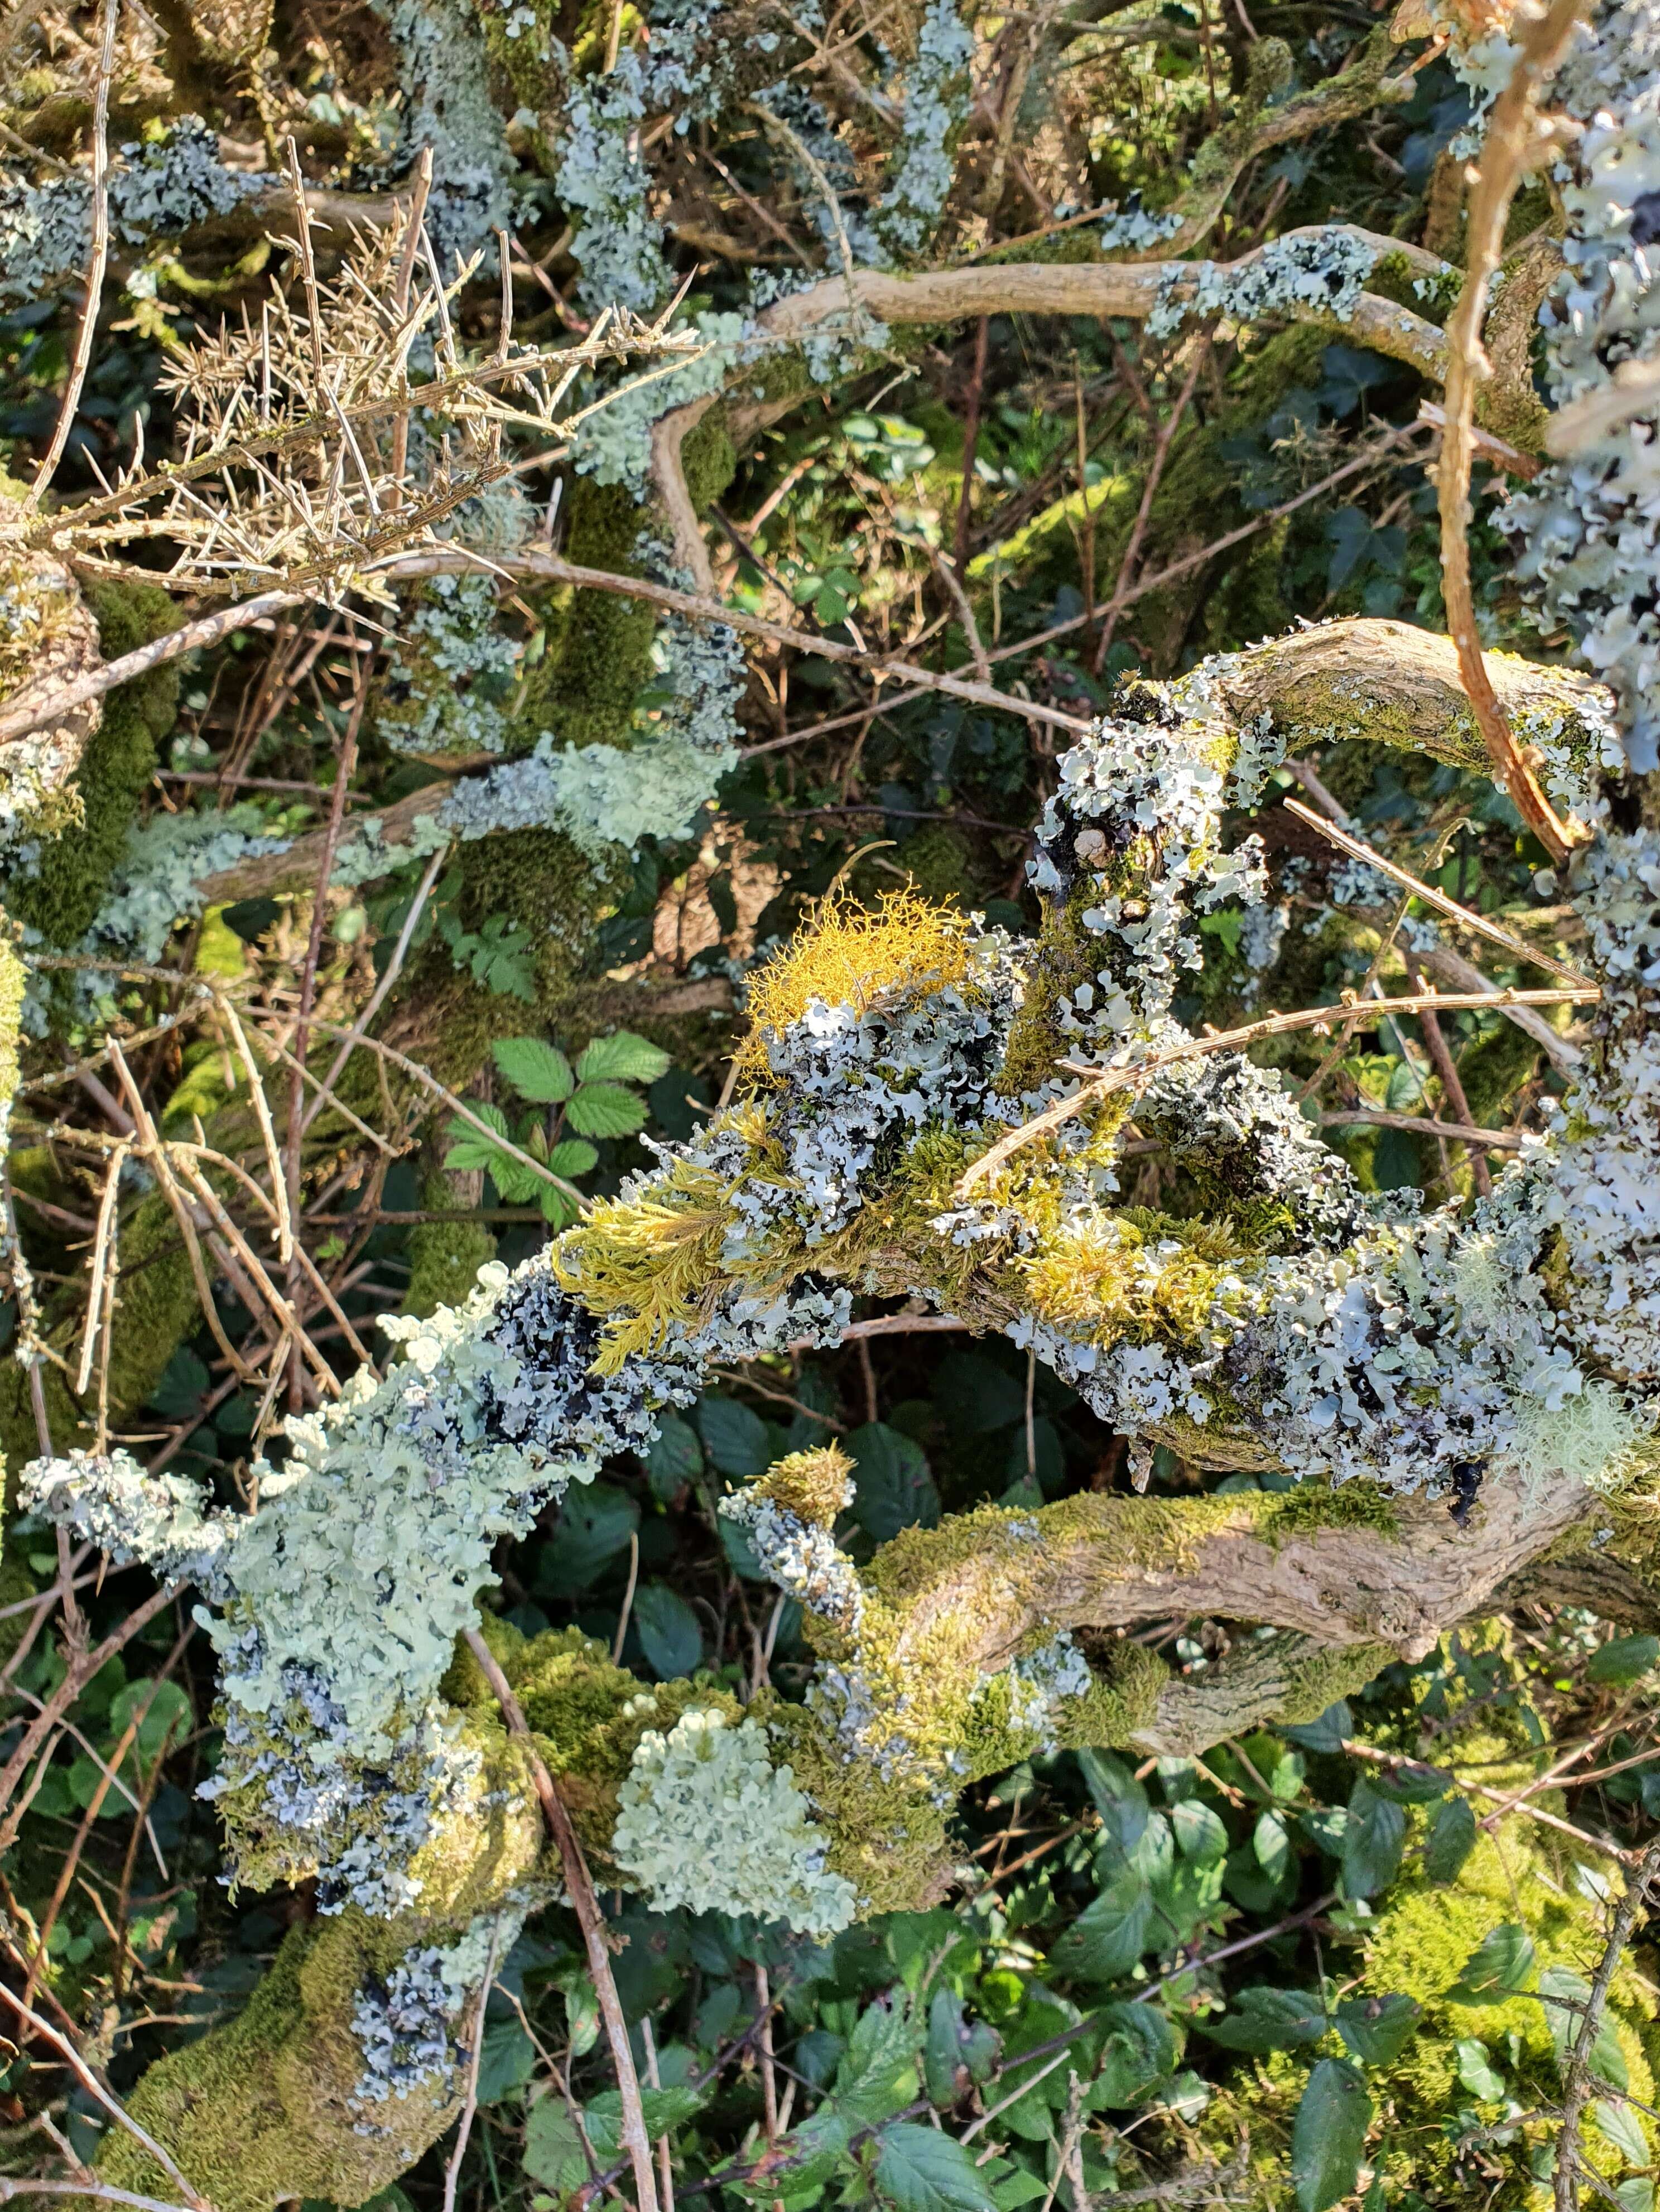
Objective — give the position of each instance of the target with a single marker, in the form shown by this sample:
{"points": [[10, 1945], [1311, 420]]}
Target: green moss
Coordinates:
{"points": [[73, 872], [445, 1256], [599, 648], [1494, 1067], [707, 460], [1312, 1505]]}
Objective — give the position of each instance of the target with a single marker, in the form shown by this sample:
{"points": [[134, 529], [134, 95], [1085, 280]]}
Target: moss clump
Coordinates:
{"points": [[445, 1256], [261, 2109], [73, 871], [814, 1485], [1312, 1505], [599, 649]]}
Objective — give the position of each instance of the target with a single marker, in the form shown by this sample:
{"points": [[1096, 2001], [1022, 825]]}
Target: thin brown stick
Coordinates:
{"points": [[1439, 900], [344, 767], [378, 997], [1317, 1017], [95, 2089], [1425, 1125], [1149, 492], [971, 439], [1512, 134], [579, 1883], [81, 360], [1577, 2084], [469, 2109]]}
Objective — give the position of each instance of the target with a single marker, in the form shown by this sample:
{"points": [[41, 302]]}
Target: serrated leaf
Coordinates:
{"points": [[472, 1148], [1451, 1841], [920, 2169], [537, 1070], [1620, 2125], [1373, 1840], [552, 2153], [1139, 2051], [507, 2061], [1330, 1732], [623, 1058], [675, 1456], [734, 1437], [895, 1490], [1329, 2136], [1499, 1967], [876, 2076], [605, 1109], [1378, 2029], [1266, 2019], [957, 2053], [671, 1634], [572, 1157], [1108, 1937]]}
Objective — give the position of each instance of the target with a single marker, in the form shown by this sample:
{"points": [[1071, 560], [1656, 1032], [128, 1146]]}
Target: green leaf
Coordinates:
{"points": [[1451, 1841], [1330, 1732], [605, 1109], [876, 2074], [1373, 1841], [1565, 1994], [553, 2151], [1499, 1967], [1412, 1785], [1108, 1937], [670, 1633], [957, 2054], [472, 1149], [572, 1157], [1378, 2029], [1140, 2051], [1329, 2136], [167, 1711], [675, 1456], [1119, 1799], [1619, 2124], [623, 1058], [1475, 2071], [1266, 2019], [1623, 1660], [507, 2060], [537, 1070], [1199, 1833], [895, 1490], [734, 1437], [920, 2169], [595, 1524]]}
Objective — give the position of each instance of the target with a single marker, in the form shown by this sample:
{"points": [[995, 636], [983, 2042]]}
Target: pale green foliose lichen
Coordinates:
{"points": [[707, 1821]]}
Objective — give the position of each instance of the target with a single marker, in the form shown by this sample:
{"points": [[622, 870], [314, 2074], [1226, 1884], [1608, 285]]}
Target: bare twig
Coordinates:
{"points": [[1512, 134], [585, 1904], [1576, 2074], [81, 359], [464, 2126]]}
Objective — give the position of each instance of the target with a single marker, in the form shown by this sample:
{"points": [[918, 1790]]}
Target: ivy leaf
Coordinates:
{"points": [[1266, 2019], [1476, 2072], [920, 2169], [167, 1711], [623, 1058], [1452, 1839], [670, 1633], [605, 1109], [1497, 1969], [1329, 2136], [1373, 1840], [537, 1070], [1108, 1937], [1378, 2029]]}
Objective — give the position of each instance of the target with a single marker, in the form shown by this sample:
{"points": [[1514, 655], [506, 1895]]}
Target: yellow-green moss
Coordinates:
{"points": [[445, 1256]]}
